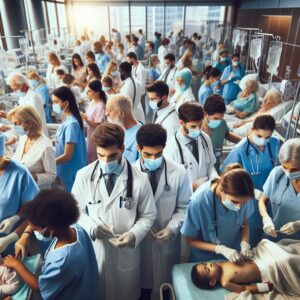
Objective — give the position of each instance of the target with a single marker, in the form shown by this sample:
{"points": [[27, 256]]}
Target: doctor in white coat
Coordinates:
{"points": [[164, 114], [192, 147], [117, 210], [131, 89], [171, 189]]}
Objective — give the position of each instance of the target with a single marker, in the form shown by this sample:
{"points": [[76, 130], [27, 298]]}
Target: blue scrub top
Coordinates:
{"points": [[43, 91], [230, 89], [70, 132], [102, 60], [131, 153], [204, 92], [153, 74], [139, 51], [17, 186], [70, 272], [220, 66], [199, 222], [284, 201]]}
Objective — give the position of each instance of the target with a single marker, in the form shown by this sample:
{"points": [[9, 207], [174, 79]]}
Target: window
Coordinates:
{"points": [[138, 18], [62, 18], [52, 18], [155, 21], [119, 19], [174, 18]]}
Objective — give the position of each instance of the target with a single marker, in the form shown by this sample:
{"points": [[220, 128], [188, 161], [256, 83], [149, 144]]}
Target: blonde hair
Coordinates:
{"points": [[33, 74], [108, 68], [28, 114], [52, 56], [153, 58]]}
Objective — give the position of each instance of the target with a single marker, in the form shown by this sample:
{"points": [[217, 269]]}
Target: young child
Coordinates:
{"points": [[70, 267]]}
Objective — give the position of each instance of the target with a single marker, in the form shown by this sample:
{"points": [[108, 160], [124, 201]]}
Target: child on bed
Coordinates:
{"points": [[10, 281]]}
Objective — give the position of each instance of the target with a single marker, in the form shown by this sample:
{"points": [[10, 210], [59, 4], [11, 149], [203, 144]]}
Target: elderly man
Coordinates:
{"points": [[119, 111], [20, 84]]}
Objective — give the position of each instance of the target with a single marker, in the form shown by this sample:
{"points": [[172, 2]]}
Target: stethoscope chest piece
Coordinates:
{"points": [[167, 188], [128, 203]]}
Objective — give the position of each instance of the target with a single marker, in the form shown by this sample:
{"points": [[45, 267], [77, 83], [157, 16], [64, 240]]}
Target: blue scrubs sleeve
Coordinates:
{"points": [[233, 157], [249, 209], [29, 188], [226, 73], [192, 225], [72, 133], [269, 186]]}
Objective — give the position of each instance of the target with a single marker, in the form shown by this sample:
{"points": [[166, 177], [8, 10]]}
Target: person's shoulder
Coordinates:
{"points": [[202, 196], [174, 166], [87, 170]]}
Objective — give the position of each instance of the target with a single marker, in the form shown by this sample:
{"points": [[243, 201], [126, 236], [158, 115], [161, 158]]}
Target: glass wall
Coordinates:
{"points": [[155, 20], [138, 18], [119, 19], [174, 18]]}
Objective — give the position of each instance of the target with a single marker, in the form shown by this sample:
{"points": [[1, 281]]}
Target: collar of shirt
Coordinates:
{"points": [[119, 170], [185, 140], [163, 111]]}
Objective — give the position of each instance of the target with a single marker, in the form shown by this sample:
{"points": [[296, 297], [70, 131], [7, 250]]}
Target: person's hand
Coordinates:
{"points": [[290, 228], [7, 240], [231, 254], [246, 251], [2, 114], [4, 128], [102, 232], [163, 235], [10, 262], [7, 225], [125, 239], [269, 227], [83, 116], [239, 124], [22, 246]]}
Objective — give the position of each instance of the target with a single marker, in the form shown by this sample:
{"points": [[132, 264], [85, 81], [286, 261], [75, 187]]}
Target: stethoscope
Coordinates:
{"points": [[287, 184], [127, 200], [134, 91], [257, 172], [167, 187], [204, 146]]}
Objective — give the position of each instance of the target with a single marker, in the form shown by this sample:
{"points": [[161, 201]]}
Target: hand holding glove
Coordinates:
{"points": [[102, 232], [246, 251], [125, 239], [231, 254], [7, 225], [269, 227], [290, 228], [163, 235], [22, 246], [7, 240]]}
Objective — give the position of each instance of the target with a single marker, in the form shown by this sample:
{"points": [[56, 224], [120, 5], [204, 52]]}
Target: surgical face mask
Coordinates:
{"points": [[40, 236], [230, 205], [214, 123], [223, 59], [292, 175], [19, 93], [152, 164], [19, 130], [109, 167], [259, 141], [155, 104], [106, 88], [235, 63], [114, 73], [34, 83], [182, 87], [57, 109], [194, 133]]}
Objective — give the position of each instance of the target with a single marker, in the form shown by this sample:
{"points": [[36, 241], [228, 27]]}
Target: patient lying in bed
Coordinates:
{"points": [[275, 266], [10, 282]]}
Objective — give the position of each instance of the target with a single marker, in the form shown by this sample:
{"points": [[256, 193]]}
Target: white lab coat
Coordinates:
{"points": [[207, 159], [179, 98], [128, 90], [119, 269], [139, 73], [171, 79], [32, 98], [168, 118], [161, 53], [158, 259], [51, 77]]}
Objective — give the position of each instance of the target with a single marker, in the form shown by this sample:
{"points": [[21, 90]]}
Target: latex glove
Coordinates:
{"points": [[246, 251], [125, 239], [231, 254], [269, 227], [7, 225], [22, 246], [102, 232], [7, 240], [164, 235], [290, 228]]}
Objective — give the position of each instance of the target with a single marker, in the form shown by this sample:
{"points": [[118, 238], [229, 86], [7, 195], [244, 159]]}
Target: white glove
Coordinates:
{"points": [[7, 240], [125, 239], [231, 254], [269, 227], [102, 232], [163, 235], [7, 225], [290, 228], [246, 251]]}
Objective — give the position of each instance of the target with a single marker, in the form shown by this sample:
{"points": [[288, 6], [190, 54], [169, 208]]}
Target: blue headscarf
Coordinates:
{"points": [[2, 146], [186, 76]]}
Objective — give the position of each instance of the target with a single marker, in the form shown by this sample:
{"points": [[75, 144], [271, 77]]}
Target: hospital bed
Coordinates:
{"points": [[33, 264]]}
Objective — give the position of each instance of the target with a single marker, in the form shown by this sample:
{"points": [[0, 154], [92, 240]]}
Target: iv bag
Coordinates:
{"points": [[203, 29], [274, 55], [255, 50], [24, 46], [218, 33], [242, 39], [235, 37]]}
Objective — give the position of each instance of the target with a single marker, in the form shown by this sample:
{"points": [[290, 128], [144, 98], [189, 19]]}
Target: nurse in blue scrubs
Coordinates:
{"points": [[258, 154], [70, 147], [17, 187], [70, 268], [280, 202], [231, 77], [215, 224]]}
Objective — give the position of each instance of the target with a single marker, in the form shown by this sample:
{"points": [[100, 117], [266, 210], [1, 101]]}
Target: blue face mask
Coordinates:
{"points": [[194, 133], [19, 130], [214, 124], [57, 109], [110, 167], [223, 59], [155, 104], [230, 205], [292, 175], [259, 141], [40, 236], [152, 164], [20, 93], [34, 83], [106, 88]]}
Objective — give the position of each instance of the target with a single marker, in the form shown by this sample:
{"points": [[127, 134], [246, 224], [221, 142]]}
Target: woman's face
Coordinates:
{"points": [[90, 72], [290, 167], [91, 94], [76, 62], [237, 201], [268, 102], [18, 122], [180, 81]]}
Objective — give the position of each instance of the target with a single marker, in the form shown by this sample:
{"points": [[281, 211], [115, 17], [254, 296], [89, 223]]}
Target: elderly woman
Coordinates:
{"points": [[282, 195], [34, 149]]}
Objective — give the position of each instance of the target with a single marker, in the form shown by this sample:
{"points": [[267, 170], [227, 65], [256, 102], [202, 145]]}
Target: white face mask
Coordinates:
{"points": [[259, 141], [230, 205]]}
